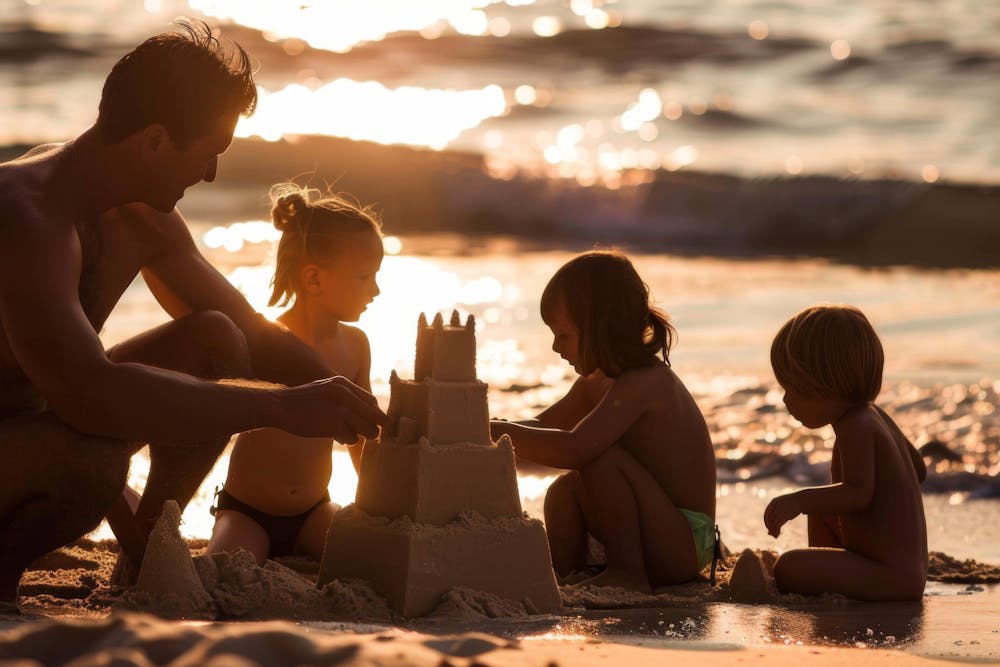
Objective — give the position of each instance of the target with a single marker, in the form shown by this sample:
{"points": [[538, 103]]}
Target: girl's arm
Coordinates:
{"points": [[568, 411], [364, 380], [604, 425], [855, 447]]}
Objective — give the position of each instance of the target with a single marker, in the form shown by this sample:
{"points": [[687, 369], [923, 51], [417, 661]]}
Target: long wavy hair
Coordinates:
{"points": [[609, 303]]}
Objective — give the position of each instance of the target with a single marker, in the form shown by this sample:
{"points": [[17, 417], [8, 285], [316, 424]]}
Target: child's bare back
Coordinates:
{"points": [[670, 438], [642, 467], [891, 529], [867, 534]]}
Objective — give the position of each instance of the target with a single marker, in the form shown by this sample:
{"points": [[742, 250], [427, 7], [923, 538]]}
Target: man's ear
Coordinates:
{"points": [[155, 138]]}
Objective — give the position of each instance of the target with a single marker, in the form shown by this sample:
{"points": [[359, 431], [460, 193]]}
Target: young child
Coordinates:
{"points": [[643, 468], [275, 501], [867, 536]]}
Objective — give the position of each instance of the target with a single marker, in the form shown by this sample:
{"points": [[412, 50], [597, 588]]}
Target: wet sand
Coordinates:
{"points": [[69, 612]]}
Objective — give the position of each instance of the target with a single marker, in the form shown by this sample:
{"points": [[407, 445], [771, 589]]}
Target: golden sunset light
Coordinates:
{"points": [[324, 25], [369, 111]]}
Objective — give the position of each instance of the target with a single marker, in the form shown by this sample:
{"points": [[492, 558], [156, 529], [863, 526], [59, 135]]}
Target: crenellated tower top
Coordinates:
{"points": [[446, 352]]}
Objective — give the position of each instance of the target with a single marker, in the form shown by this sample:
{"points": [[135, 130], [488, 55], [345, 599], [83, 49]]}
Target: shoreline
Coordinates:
{"points": [[865, 222]]}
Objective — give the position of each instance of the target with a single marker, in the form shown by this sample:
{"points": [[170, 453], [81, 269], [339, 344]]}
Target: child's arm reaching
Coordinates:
{"points": [[856, 448], [574, 446], [567, 412]]}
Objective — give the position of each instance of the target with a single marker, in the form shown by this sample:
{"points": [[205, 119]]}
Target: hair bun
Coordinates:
{"points": [[288, 210]]}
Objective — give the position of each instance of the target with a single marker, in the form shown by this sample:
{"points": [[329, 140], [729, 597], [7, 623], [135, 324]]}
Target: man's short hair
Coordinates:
{"points": [[185, 80], [829, 352]]}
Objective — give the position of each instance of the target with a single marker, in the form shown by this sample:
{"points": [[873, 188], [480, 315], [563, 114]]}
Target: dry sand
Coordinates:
{"points": [[70, 615]]}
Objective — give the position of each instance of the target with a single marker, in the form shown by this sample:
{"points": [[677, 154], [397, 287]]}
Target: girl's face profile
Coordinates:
{"points": [[565, 335], [348, 281]]}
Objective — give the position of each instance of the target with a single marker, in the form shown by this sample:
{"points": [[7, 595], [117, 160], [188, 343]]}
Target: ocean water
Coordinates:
{"points": [[941, 370], [855, 105], [581, 89]]}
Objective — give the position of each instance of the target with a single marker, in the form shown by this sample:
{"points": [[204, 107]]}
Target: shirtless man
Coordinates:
{"points": [[78, 222]]}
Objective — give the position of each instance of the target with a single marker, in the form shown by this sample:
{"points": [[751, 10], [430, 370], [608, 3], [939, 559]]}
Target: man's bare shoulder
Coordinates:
{"points": [[22, 188]]}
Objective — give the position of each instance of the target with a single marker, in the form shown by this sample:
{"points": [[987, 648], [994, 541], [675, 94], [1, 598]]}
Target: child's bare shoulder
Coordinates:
{"points": [[647, 381]]}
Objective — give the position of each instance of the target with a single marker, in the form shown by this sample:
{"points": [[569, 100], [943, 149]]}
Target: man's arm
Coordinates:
{"points": [[183, 281], [56, 346]]}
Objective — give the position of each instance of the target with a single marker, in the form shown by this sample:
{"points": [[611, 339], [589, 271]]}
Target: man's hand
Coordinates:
{"points": [[780, 511], [332, 407]]}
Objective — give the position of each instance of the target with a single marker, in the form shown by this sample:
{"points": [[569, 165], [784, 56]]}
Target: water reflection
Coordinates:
{"points": [[369, 111], [340, 26]]}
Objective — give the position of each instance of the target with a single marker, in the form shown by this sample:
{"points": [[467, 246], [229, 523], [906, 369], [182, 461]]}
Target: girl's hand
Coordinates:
{"points": [[780, 511]]}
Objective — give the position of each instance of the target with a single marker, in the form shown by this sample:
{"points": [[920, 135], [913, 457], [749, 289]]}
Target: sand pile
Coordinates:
{"points": [[168, 584]]}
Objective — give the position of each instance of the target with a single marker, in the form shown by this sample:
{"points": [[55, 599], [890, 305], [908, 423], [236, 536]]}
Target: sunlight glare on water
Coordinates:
{"points": [[322, 24], [369, 111]]}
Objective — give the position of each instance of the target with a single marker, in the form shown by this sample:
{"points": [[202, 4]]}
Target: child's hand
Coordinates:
{"points": [[780, 511]]}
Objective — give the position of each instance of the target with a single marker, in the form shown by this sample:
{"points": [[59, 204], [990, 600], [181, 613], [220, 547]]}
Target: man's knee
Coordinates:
{"points": [[224, 342]]}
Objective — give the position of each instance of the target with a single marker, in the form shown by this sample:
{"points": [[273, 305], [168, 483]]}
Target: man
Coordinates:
{"points": [[78, 222]]}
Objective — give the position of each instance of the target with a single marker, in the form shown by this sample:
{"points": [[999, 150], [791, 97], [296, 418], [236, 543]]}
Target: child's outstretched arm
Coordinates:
{"points": [[856, 449], [567, 412], [571, 448]]}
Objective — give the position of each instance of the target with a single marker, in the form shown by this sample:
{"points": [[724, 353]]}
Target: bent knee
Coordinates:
{"points": [[608, 462], [566, 487], [214, 328], [225, 342]]}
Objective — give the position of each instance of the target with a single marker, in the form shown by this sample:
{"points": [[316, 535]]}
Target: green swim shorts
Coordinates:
{"points": [[703, 531]]}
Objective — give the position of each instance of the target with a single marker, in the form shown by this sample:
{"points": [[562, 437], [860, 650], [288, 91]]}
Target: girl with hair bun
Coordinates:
{"points": [[275, 501], [642, 467]]}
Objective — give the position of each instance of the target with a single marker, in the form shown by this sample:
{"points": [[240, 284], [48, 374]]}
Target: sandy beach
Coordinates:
{"points": [[273, 615], [754, 158]]}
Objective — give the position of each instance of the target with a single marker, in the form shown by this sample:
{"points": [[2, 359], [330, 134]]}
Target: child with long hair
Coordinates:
{"points": [[274, 501], [642, 467], [867, 533]]}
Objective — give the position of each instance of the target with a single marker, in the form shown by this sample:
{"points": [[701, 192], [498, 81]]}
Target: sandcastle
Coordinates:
{"points": [[437, 505]]}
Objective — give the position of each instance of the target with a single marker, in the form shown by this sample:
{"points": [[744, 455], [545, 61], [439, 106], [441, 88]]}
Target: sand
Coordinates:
{"points": [[69, 613]]}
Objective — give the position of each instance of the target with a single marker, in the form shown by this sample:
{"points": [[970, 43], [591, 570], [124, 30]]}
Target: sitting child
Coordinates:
{"points": [[867, 536], [275, 501], [643, 468]]}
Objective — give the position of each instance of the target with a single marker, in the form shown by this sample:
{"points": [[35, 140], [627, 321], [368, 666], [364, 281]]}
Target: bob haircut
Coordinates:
{"points": [[829, 352], [312, 232], [609, 303], [185, 80]]}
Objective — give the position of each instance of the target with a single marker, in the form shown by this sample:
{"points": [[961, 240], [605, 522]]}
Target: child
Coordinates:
{"points": [[643, 468], [867, 536], [274, 501]]}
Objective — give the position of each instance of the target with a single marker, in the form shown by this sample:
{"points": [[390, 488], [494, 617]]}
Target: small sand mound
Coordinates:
{"points": [[168, 584], [752, 580]]}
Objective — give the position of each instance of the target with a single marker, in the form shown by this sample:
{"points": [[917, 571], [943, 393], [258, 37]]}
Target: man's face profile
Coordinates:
{"points": [[173, 170]]}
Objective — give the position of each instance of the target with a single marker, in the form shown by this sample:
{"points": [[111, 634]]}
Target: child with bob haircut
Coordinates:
{"points": [[642, 479], [867, 535], [274, 501]]}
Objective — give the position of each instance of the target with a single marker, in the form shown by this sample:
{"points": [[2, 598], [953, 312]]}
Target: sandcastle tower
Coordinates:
{"points": [[437, 505]]}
